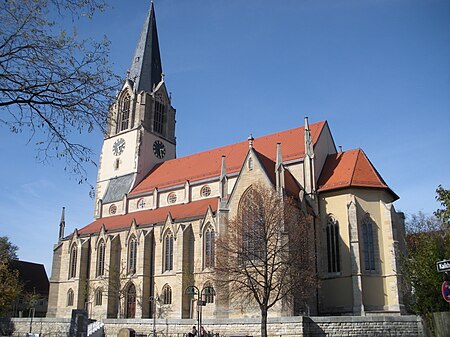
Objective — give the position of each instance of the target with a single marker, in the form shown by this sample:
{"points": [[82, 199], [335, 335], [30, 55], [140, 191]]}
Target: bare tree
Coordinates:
{"points": [[266, 256], [52, 84]]}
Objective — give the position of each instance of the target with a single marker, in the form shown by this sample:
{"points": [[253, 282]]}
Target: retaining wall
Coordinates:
{"points": [[394, 326]]}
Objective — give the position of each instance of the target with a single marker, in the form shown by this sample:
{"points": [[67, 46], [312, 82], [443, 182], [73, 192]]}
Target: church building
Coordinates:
{"points": [[157, 217]]}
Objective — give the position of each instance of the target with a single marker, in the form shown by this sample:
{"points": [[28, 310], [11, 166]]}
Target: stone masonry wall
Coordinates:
{"points": [[404, 326], [43, 326]]}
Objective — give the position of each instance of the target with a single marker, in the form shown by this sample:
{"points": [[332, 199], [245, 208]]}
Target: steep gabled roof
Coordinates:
{"points": [[153, 216], [350, 169], [207, 164]]}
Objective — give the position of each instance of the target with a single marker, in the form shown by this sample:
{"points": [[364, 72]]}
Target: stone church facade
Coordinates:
{"points": [[157, 216]]}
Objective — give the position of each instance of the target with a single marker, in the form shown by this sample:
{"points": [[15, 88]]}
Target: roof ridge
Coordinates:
{"points": [[245, 141]]}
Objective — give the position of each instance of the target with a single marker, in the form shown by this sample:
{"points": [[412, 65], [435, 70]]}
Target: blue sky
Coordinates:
{"points": [[378, 71]]}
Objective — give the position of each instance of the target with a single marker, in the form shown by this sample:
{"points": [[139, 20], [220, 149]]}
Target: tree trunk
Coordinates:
{"points": [[264, 321]]}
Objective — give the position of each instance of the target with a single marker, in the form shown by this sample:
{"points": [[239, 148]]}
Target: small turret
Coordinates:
{"points": [[62, 225]]}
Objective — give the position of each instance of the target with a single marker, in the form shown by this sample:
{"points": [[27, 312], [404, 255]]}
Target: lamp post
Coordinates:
{"points": [[192, 291], [154, 300]]}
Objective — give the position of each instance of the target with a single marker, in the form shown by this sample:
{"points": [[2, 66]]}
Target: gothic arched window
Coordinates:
{"points": [[368, 244], [98, 296], [167, 294], [168, 251], [131, 301], [160, 115], [70, 297], [209, 249], [132, 255], [101, 248], [251, 214], [332, 229], [124, 113], [73, 262], [208, 292]]}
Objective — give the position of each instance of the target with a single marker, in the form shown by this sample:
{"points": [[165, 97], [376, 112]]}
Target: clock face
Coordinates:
{"points": [[159, 149], [118, 146]]}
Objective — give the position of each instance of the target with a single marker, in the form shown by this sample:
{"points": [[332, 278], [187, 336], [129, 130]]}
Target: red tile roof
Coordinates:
{"points": [[350, 169], [178, 212], [291, 186], [207, 164]]}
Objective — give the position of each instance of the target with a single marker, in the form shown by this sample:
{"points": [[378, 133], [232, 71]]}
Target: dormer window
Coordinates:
{"points": [[124, 113]]}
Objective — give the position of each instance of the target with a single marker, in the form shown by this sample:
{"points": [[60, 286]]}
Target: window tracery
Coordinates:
{"points": [[132, 255], [124, 112], [70, 297], [332, 232], [368, 245], [98, 296], [167, 294], [101, 258], [73, 262], [209, 247], [168, 251]]}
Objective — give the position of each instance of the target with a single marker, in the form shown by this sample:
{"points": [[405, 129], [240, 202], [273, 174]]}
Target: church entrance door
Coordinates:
{"points": [[131, 301]]}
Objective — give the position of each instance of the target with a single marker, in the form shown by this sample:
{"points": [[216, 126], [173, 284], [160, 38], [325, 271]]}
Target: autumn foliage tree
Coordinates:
{"points": [[266, 256], [10, 285], [52, 83], [427, 242]]}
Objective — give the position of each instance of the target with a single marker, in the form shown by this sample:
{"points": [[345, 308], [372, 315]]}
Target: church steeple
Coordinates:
{"points": [[141, 131], [146, 69]]}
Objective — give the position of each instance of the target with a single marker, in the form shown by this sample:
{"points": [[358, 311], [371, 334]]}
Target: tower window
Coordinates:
{"points": [[159, 116], [124, 113], [332, 230]]}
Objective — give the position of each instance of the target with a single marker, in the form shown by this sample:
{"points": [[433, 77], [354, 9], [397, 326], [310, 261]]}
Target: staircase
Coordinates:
{"points": [[95, 329]]}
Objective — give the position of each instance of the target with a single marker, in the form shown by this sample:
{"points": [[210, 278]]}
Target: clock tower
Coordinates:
{"points": [[141, 126]]}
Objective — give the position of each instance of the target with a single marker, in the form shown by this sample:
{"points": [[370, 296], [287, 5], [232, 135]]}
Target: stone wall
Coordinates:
{"points": [[404, 326], [42, 326]]}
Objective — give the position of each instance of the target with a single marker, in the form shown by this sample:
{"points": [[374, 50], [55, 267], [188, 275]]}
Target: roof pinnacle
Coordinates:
{"points": [[250, 141]]}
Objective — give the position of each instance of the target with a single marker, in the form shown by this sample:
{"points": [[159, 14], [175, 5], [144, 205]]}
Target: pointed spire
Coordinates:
{"points": [[146, 68], [62, 225]]}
